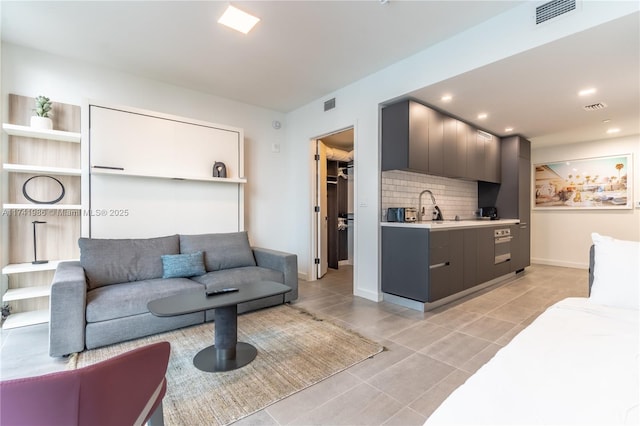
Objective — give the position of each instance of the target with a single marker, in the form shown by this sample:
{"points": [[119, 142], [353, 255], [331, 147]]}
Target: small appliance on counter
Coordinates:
{"points": [[490, 213], [402, 214]]}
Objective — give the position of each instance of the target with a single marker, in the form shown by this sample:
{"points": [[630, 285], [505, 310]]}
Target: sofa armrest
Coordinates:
{"points": [[286, 263], [67, 304]]}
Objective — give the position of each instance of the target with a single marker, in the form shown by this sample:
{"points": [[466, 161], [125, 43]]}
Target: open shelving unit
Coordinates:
{"points": [[32, 152]]}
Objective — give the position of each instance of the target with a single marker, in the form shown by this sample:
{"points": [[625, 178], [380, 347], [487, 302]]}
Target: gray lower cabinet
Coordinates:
{"points": [[425, 265], [405, 266], [520, 247], [446, 266], [470, 259], [422, 265]]}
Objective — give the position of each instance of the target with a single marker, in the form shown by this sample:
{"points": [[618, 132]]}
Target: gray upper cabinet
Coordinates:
{"points": [[455, 148], [420, 139], [405, 137], [436, 143], [492, 160]]}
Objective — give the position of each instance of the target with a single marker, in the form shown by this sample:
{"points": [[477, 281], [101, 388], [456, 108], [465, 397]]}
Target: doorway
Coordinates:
{"points": [[333, 225]]}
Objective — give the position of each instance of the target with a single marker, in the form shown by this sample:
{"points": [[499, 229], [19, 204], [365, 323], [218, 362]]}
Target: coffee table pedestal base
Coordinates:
{"points": [[209, 359]]}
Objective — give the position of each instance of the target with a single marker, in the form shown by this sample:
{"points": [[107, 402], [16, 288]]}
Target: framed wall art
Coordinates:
{"points": [[589, 183]]}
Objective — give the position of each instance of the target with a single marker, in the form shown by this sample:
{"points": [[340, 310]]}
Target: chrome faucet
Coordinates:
{"points": [[435, 207]]}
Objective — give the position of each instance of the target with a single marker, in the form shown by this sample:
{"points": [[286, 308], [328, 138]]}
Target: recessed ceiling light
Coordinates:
{"points": [[585, 92], [482, 116], [613, 130], [509, 129], [446, 98], [238, 20]]}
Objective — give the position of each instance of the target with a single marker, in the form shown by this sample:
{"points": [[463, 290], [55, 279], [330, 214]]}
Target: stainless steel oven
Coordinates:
{"points": [[502, 245]]}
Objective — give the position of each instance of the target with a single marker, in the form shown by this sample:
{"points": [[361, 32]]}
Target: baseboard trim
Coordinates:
{"points": [[555, 262]]}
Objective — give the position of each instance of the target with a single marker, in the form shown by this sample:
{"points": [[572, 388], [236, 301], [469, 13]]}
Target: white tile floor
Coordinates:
{"points": [[427, 355]]}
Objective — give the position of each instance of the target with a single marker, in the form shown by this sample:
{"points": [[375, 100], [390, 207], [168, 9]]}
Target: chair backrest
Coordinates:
{"points": [[123, 390]]}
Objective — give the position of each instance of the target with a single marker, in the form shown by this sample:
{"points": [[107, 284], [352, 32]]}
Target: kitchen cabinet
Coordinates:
{"points": [[452, 166], [420, 264], [405, 137], [470, 259], [475, 154], [423, 140], [436, 143], [446, 267], [405, 266], [492, 160], [514, 196]]}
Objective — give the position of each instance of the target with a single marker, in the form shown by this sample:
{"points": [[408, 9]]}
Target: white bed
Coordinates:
{"points": [[577, 363]]}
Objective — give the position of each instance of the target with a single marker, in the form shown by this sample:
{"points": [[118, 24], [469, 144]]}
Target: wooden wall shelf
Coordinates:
{"points": [[26, 168], [30, 132]]}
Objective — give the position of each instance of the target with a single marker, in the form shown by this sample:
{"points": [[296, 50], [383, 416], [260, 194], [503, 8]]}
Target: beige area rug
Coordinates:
{"points": [[295, 351]]}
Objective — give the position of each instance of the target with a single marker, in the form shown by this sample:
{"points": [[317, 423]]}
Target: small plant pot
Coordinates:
{"points": [[43, 123]]}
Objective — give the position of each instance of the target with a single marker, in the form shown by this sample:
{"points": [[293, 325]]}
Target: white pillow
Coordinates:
{"points": [[616, 277]]}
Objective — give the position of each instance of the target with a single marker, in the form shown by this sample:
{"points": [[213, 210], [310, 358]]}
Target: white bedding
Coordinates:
{"points": [[577, 363]]}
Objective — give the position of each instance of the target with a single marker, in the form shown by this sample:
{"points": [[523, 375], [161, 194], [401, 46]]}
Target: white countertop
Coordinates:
{"points": [[447, 224]]}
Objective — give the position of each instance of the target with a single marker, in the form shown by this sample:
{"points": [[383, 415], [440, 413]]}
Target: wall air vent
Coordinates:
{"points": [[595, 107], [484, 135], [330, 104], [554, 9]]}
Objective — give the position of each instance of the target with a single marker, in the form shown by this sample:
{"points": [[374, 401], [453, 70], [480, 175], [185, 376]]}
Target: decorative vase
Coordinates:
{"points": [[43, 123]]}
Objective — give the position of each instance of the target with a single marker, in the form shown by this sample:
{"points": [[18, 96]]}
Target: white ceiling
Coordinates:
{"points": [[303, 50]]}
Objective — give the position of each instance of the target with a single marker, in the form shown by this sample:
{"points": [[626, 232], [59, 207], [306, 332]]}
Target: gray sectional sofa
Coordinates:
{"points": [[102, 299]]}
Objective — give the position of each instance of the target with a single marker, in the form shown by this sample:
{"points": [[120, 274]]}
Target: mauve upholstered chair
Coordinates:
{"points": [[123, 390]]}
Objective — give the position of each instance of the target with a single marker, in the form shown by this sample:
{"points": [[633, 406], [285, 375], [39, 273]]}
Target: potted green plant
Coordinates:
{"points": [[43, 109]]}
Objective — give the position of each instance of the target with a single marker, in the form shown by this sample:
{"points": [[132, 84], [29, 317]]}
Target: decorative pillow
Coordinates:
{"points": [[616, 272], [221, 251], [113, 261], [183, 265]]}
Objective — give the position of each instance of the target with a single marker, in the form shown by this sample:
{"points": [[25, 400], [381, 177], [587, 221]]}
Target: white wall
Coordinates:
{"points": [[562, 238], [358, 105], [30, 73]]}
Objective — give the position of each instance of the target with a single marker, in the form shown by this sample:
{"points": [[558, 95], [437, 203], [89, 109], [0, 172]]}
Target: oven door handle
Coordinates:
{"points": [[502, 240]]}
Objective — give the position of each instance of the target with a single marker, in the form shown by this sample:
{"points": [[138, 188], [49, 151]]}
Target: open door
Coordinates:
{"points": [[321, 209]]}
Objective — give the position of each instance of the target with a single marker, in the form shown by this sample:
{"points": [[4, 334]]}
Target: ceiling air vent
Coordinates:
{"points": [[554, 9], [595, 107]]}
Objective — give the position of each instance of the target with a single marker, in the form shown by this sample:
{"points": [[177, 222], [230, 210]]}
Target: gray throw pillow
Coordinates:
{"points": [[112, 261], [183, 265], [221, 251]]}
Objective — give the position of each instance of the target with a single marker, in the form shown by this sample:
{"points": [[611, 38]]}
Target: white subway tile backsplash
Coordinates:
{"points": [[455, 197]]}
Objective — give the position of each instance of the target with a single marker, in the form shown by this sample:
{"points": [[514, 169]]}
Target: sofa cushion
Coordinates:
{"points": [[238, 276], [221, 251], [183, 265], [112, 261], [126, 299]]}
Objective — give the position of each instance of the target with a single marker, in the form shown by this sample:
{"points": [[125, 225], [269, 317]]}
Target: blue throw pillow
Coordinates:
{"points": [[183, 265]]}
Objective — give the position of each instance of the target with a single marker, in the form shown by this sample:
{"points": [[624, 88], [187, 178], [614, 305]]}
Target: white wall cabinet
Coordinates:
{"points": [[151, 174]]}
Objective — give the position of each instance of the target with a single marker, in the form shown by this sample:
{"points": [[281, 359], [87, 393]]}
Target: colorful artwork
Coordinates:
{"points": [[592, 183]]}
